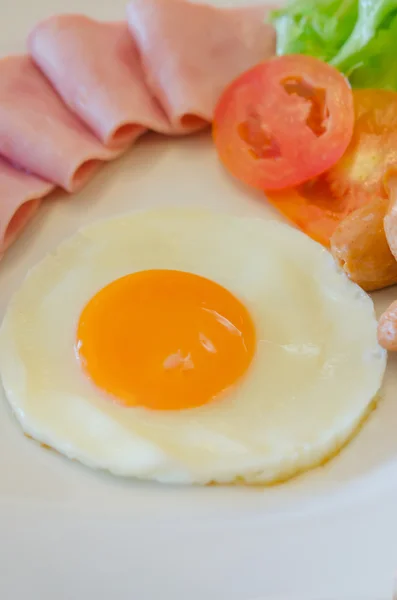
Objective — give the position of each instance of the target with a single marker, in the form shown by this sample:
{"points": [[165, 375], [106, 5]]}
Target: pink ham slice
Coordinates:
{"points": [[39, 133], [95, 68], [20, 195], [164, 70], [190, 52]]}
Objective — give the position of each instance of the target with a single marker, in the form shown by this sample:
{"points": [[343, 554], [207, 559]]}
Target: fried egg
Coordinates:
{"points": [[191, 347]]}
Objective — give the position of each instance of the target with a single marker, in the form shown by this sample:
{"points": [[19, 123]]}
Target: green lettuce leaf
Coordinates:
{"points": [[359, 37]]}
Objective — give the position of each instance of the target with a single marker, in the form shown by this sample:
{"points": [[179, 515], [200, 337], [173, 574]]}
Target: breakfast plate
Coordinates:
{"points": [[69, 532]]}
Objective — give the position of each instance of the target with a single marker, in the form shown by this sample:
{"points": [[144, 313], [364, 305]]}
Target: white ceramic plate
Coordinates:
{"points": [[68, 533]]}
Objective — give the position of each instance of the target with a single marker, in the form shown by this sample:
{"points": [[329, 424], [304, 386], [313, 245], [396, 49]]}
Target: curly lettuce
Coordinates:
{"points": [[359, 37]]}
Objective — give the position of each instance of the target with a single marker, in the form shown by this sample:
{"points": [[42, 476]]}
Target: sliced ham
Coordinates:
{"points": [[89, 89], [190, 52], [20, 195], [39, 133], [96, 69]]}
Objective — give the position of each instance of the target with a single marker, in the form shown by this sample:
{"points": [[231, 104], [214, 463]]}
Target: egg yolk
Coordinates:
{"points": [[164, 340]]}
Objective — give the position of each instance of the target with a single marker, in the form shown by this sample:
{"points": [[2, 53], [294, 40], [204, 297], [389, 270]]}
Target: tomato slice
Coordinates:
{"points": [[284, 121], [319, 205]]}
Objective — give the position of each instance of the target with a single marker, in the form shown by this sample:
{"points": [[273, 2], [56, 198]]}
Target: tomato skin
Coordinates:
{"points": [[318, 206], [283, 122]]}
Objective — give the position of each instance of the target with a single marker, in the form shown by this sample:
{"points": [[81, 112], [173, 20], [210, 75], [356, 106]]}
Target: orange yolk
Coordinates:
{"points": [[165, 340]]}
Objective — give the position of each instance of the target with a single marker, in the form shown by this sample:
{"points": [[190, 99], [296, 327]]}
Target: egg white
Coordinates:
{"points": [[316, 371]]}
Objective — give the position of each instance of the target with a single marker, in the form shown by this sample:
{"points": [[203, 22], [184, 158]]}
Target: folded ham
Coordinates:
{"points": [[96, 69], [89, 89], [39, 133], [166, 74], [20, 195], [190, 52]]}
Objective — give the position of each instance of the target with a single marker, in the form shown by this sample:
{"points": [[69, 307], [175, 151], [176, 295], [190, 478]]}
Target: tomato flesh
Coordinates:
{"points": [[372, 151], [284, 121], [319, 205]]}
